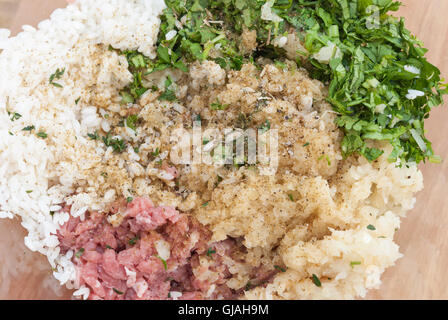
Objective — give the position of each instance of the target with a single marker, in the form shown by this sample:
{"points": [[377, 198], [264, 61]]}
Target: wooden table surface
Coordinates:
{"points": [[423, 236]]}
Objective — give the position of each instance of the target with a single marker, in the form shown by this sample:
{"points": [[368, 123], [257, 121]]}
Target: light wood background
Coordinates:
{"points": [[423, 236]]}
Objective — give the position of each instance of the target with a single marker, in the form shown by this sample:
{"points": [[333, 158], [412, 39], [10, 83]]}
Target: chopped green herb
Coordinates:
{"points": [[109, 247], [131, 121], [42, 135], [306, 144], [218, 106], [117, 144], [281, 65], [290, 196], [77, 100], [104, 174], [126, 97], [29, 191], [355, 263], [156, 152], [117, 291], [205, 204], [371, 227], [316, 280], [93, 136], [57, 75], [79, 253], [129, 199], [52, 213], [138, 61], [165, 265], [210, 251], [15, 116], [138, 66], [168, 95], [266, 126], [133, 241], [28, 128], [248, 286], [280, 268]]}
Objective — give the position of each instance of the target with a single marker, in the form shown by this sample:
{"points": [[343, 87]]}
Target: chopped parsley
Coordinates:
{"points": [[29, 191], [306, 144], [116, 143], [291, 197], [165, 265], [210, 251], [133, 241], [355, 263], [29, 128], [57, 75], [77, 100], [326, 157], [280, 268], [138, 66], [169, 94], [316, 280], [156, 152], [79, 253], [93, 136], [371, 227], [117, 291], [205, 204], [266, 126], [42, 135], [129, 199], [132, 121], [218, 106], [126, 97], [15, 116]]}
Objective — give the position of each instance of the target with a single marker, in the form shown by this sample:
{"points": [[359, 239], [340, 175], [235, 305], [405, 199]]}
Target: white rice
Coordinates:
{"points": [[35, 175]]}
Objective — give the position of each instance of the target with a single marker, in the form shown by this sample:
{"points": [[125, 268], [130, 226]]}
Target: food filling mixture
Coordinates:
{"points": [[98, 102]]}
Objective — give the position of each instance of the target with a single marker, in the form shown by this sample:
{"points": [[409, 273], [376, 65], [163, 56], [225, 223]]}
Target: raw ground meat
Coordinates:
{"points": [[125, 262]]}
